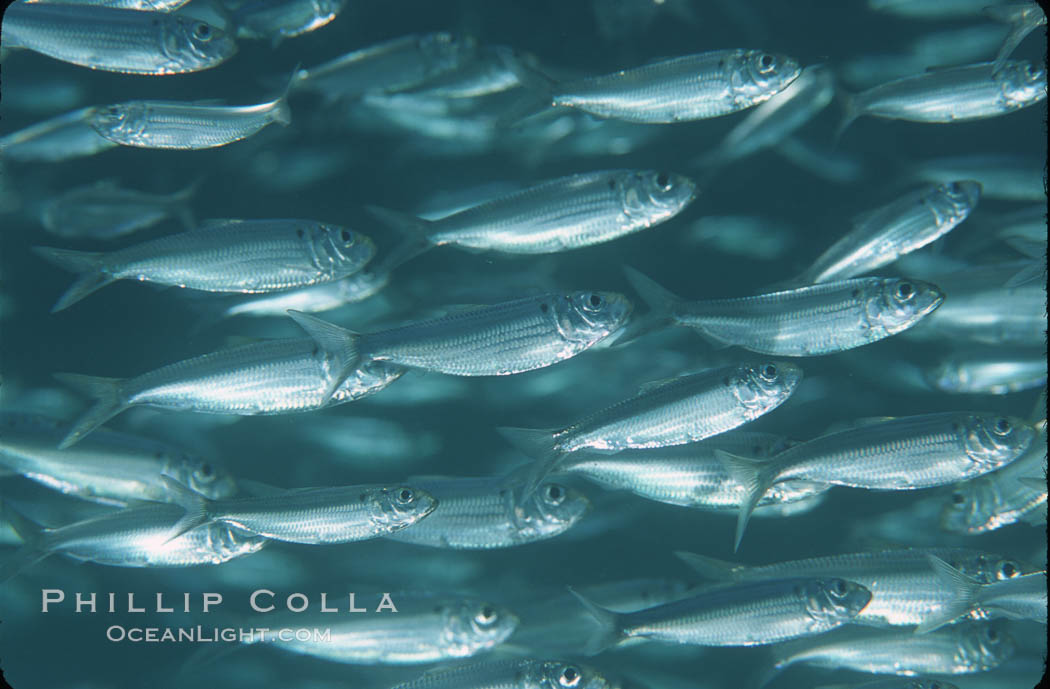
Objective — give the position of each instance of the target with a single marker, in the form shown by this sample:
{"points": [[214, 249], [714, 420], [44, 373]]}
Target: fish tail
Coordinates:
{"points": [[195, 504], [850, 112], [538, 443], [661, 302], [339, 344], [415, 232], [31, 533], [609, 632], [87, 263], [282, 114], [109, 401], [964, 595], [756, 476], [539, 89], [711, 568]]}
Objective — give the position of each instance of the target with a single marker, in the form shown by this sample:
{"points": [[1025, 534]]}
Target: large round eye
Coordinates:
{"points": [[594, 302], [486, 616], [405, 496], [839, 587], [1008, 570], [202, 32], [769, 372], [663, 180], [346, 236], [767, 63], [958, 498], [991, 635], [205, 471], [554, 494], [1001, 427], [570, 676], [904, 291]]}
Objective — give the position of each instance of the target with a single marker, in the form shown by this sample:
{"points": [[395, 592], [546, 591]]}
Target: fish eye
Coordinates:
{"points": [[767, 63], [555, 494], [991, 635], [1008, 570], [840, 587], [663, 180], [206, 470], [1002, 427], [958, 498], [485, 616], [904, 291], [202, 32], [405, 496], [570, 676], [769, 372], [596, 301], [345, 236]]}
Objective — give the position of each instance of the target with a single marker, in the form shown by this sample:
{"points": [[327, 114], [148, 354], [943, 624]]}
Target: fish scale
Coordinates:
{"points": [[185, 125]]}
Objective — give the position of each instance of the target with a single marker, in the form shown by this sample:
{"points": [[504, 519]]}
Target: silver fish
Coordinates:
{"points": [[687, 475], [885, 234], [1019, 598], [957, 650], [277, 21], [748, 614], [391, 66], [309, 515], [1008, 177], [931, 9], [185, 125], [154, 5], [692, 87], [558, 215], [105, 210], [223, 256], [110, 468], [997, 373], [905, 588], [59, 138], [496, 340], [1002, 497], [133, 537], [425, 629], [116, 40], [954, 94], [906, 453], [512, 674], [808, 321], [313, 299], [272, 377], [486, 513]]}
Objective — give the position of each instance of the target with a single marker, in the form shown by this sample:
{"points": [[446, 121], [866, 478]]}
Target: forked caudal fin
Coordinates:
{"points": [[539, 89], [538, 443], [661, 302], [712, 568], [964, 594], [109, 401], [756, 476], [415, 237], [609, 632], [31, 534], [195, 504], [339, 344], [87, 263]]}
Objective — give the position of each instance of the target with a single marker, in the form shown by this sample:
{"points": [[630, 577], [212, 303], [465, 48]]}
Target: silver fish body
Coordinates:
{"points": [[185, 125], [110, 467], [106, 211], [59, 138], [425, 629], [567, 213], [116, 40], [280, 20], [905, 588], [957, 650], [313, 299], [954, 94], [512, 674], [749, 614], [486, 513], [693, 87], [1007, 177], [887, 233], [314, 515], [246, 256], [995, 373], [154, 5], [1019, 598]]}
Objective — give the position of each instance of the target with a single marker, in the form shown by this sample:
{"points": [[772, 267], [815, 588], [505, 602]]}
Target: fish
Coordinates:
{"points": [[64, 137], [1023, 18], [269, 377], [807, 321], [931, 9], [558, 215], [1005, 177], [325, 296], [278, 21], [185, 125], [109, 468], [749, 614], [132, 537], [1022, 597], [906, 453], [687, 475], [494, 340], [883, 235], [680, 89], [952, 94], [154, 5], [487, 513], [308, 515], [247, 256], [997, 372], [105, 210], [905, 589], [117, 40], [511, 674], [427, 628], [1002, 497], [389, 67], [957, 650]]}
